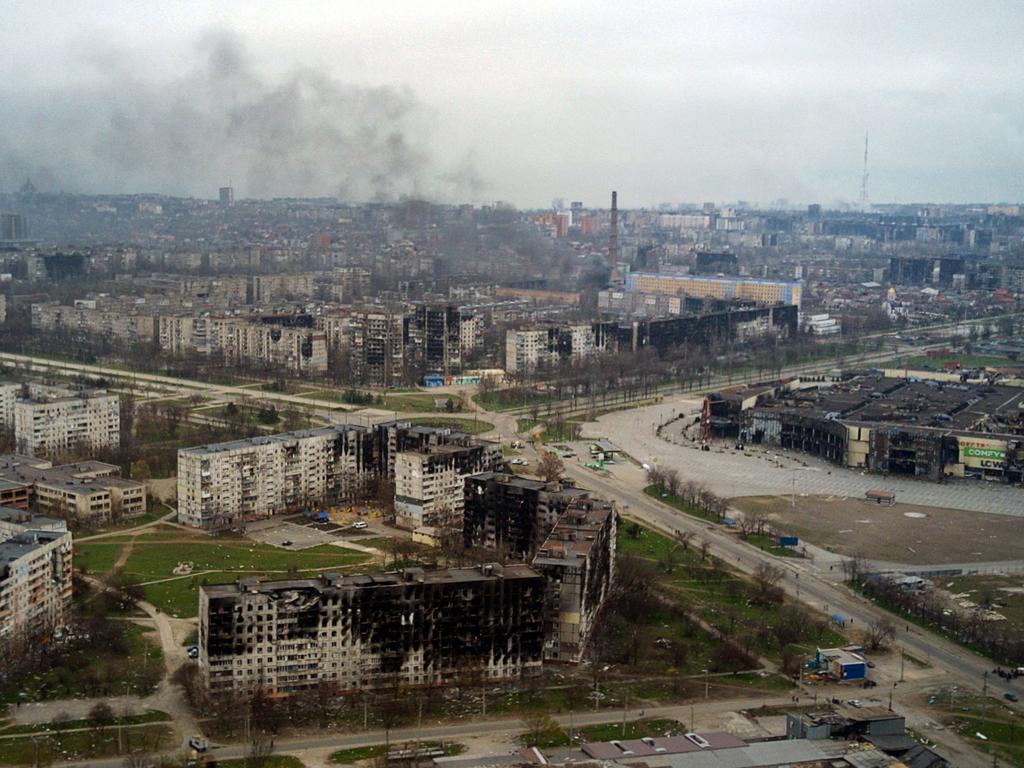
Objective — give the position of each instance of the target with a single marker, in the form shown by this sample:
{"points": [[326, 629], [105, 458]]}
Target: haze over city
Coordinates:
{"points": [[450, 385], [676, 102]]}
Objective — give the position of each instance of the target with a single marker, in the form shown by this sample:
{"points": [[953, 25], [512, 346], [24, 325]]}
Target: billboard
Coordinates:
{"points": [[981, 453]]}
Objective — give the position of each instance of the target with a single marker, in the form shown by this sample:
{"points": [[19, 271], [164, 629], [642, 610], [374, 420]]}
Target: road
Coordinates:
{"points": [[730, 473], [810, 581]]}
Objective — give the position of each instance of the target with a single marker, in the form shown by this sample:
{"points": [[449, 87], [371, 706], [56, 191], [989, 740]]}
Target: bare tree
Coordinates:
{"points": [[766, 579], [881, 632]]}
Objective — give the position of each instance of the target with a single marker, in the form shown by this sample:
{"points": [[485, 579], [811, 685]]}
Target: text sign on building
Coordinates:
{"points": [[986, 454]]}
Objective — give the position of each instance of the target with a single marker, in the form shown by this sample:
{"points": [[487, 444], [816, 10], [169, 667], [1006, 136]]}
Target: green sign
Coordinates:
{"points": [[985, 453]]}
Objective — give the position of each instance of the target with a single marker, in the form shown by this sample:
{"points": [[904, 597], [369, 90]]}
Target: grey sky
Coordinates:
{"points": [[524, 101]]}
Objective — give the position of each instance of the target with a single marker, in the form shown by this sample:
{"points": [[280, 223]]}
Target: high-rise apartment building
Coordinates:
{"points": [[35, 575], [383, 630], [429, 482], [53, 421]]}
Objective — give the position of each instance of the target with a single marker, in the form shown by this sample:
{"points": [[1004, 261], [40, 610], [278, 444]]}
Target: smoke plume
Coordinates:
{"points": [[305, 134]]}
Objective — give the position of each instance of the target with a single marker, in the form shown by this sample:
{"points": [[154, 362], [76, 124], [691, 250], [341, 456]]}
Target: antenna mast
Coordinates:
{"points": [[864, 204]]}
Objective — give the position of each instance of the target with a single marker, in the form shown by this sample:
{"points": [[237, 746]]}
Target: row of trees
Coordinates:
{"points": [[689, 492], [1000, 640]]}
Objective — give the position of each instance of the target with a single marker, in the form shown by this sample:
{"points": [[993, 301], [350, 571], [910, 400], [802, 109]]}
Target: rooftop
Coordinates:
{"points": [[328, 582]]}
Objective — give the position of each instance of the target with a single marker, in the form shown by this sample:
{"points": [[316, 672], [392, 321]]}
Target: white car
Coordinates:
{"points": [[199, 744], [359, 525]]}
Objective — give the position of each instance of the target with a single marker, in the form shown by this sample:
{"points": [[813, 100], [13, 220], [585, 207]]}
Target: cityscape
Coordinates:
{"points": [[317, 452]]}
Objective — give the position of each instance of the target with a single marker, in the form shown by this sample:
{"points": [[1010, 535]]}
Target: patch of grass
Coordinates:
{"points": [[765, 544], [156, 552], [422, 402], [657, 492], [273, 761], [153, 716], [93, 671], [469, 426], [357, 754], [83, 745], [634, 730]]}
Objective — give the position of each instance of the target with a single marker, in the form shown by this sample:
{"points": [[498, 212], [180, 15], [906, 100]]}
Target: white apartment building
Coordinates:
{"points": [[526, 349], [9, 392], [430, 483], [53, 421], [35, 574], [223, 484], [87, 490]]}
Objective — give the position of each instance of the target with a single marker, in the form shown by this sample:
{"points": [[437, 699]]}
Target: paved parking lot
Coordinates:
{"points": [[731, 473], [276, 532]]}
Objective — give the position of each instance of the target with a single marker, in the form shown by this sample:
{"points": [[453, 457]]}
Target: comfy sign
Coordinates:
{"points": [[986, 455]]}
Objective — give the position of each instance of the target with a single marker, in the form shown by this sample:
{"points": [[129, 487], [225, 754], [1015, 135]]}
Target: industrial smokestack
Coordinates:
{"points": [[613, 235]]}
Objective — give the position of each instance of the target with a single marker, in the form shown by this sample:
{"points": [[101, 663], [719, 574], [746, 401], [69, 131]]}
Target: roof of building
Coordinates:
{"points": [[575, 534], [335, 581]]}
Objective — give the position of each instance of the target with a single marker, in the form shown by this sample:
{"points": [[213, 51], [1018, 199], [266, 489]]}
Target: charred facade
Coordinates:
{"points": [[512, 514], [947, 426], [409, 628]]}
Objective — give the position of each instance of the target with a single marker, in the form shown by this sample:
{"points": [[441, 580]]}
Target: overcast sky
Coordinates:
{"points": [[522, 101]]}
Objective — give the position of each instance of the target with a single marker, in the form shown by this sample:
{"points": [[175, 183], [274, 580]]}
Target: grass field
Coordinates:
{"points": [[83, 745], [273, 761], [970, 715], [722, 599], [469, 426], [95, 673], [153, 555], [356, 754], [553, 736]]}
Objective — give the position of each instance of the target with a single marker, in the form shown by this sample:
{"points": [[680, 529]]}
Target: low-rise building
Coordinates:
{"points": [[86, 490], [384, 630], [35, 575]]}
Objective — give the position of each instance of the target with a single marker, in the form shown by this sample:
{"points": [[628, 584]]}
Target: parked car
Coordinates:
{"points": [[360, 524], [199, 744], [193, 651], [287, 543], [1010, 696]]}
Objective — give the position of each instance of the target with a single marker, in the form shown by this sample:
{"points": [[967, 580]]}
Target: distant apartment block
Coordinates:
{"points": [[87, 490], [375, 344], [35, 575], [383, 630], [758, 291], [429, 483], [527, 349], [53, 421], [578, 560], [9, 392]]}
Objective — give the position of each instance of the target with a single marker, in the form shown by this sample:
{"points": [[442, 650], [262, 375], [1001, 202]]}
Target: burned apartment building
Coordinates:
{"points": [[578, 561], [224, 484], [890, 424], [430, 480], [510, 514], [555, 343], [372, 631]]}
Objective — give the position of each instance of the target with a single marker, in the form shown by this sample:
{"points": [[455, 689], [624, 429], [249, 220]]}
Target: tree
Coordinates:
{"points": [[550, 467], [766, 579], [881, 632], [541, 730], [101, 714]]}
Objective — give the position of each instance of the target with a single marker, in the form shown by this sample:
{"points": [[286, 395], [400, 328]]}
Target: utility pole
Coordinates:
{"points": [[901, 663], [707, 683], [625, 707]]}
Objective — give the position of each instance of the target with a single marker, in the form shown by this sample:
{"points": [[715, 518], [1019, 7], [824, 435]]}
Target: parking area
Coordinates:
{"points": [[277, 532]]}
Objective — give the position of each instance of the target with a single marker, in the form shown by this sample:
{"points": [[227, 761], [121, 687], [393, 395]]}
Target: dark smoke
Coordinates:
{"points": [[304, 135]]}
